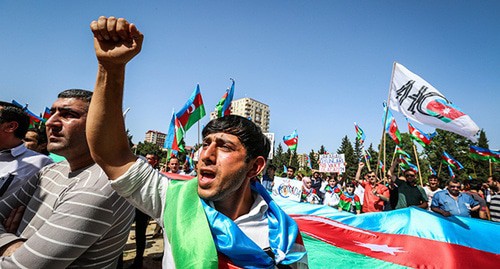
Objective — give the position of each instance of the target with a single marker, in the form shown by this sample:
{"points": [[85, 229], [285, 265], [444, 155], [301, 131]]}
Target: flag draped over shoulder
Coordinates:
{"points": [[447, 159], [391, 126], [484, 154], [394, 239], [359, 133], [420, 137], [223, 108], [421, 102], [192, 111], [291, 140]]}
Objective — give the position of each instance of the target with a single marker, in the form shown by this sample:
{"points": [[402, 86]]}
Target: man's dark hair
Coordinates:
{"points": [[293, 168], [76, 93], [433, 176], [11, 113], [249, 134], [271, 166], [454, 180]]}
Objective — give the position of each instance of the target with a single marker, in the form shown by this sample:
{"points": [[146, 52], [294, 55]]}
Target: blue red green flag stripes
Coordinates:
{"points": [[479, 153], [400, 151], [420, 137], [46, 114], [359, 133], [223, 107], [175, 135], [291, 140], [432, 171], [192, 111], [391, 127], [452, 175], [34, 119], [394, 239], [447, 159]]}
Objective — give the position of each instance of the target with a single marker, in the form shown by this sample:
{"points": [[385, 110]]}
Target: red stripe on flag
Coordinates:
{"points": [[400, 249]]}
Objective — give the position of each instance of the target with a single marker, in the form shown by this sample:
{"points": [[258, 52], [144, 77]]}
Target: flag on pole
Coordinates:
{"points": [[431, 170], [46, 114], [447, 159], [34, 119], [420, 137], [285, 170], [381, 165], [223, 108], [391, 126], [359, 133], [452, 175], [291, 140], [175, 134], [309, 162], [192, 111], [484, 154], [421, 102], [406, 164], [400, 151]]}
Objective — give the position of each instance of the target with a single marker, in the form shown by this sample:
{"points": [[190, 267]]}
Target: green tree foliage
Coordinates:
{"points": [[314, 159], [348, 151]]}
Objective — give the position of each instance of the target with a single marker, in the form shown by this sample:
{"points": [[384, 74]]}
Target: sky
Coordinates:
{"points": [[319, 65]]}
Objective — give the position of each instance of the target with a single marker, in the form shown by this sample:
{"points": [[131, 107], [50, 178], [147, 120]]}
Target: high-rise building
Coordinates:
{"points": [[252, 109], [155, 137]]}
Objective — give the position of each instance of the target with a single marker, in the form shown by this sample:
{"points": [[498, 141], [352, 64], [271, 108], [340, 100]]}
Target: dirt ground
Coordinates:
{"points": [[154, 248]]}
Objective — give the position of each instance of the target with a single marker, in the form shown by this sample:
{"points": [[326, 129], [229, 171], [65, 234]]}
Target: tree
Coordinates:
{"points": [[314, 160], [348, 151]]}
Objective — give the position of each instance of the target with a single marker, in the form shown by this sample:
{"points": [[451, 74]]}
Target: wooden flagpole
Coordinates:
{"points": [[491, 168], [418, 165], [439, 170], [382, 140], [366, 159]]}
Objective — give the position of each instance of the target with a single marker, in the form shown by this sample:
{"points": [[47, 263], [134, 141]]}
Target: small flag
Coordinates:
{"points": [[46, 114], [284, 169], [447, 159], [406, 164], [484, 154], [420, 137], [359, 133], [223, 108], [291, 140], [400, 151], [381, 165], [452, 175], [192, 111], [391, 127], [431, 170]]}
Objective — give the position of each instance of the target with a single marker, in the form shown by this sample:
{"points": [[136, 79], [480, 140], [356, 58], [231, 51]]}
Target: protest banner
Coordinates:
{"points": [[287, 188], [332, 163]]}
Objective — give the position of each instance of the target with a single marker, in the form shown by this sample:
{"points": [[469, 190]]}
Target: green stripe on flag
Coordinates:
{"points": [[321, 255]]}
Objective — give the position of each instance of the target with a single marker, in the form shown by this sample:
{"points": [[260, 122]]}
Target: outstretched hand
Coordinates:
{"points": [[116, 41]]}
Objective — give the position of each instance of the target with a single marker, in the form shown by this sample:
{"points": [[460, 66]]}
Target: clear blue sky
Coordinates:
{"points": [[319, 65]]}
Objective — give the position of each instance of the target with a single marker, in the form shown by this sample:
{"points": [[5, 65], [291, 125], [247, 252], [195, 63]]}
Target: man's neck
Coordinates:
{"points": [[81, 162], [433, 188], [10, 144], [238, 204]]}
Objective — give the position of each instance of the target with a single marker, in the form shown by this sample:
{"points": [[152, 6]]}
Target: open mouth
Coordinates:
{"points": [[206, 177]]}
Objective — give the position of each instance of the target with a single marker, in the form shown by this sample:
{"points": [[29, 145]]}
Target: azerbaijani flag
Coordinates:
{"points": [[34, 119], [447, 159], [192, 111], [431, 170], [309, 162], [421, 102], [223, 108], [484, 154], [291, 140], [46, 114], [420, 137], [391, 126], [359, 133], [452, 175], [381, 165], [409, 237], [406, 164], [175, 135], [400, 151]]}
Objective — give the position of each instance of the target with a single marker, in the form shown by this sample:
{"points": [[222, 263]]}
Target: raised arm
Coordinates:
{"points": [[116, 42], [358, 173], [391, 173]]}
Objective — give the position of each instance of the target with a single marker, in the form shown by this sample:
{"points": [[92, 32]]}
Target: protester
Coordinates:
{"points": [[268, 178], [17, 163], [473, 187], [495, 208], [451, 201], [332, 193], [409, 193], [197, 214], [290, 172], [36, 140], [349, 201], [73, 217], [375, 194], [316, 181], [308, 192], [432, 188]]}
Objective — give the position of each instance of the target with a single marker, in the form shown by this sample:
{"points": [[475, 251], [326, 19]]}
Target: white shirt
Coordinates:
{"points": [[21, 162]]}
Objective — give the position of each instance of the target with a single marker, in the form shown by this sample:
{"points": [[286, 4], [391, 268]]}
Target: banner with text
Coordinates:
{"points": [[332, 163], [287, 188]]}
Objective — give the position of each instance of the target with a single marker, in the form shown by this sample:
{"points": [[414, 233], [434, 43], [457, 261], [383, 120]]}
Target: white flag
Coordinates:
{"points": [[421, 102]]}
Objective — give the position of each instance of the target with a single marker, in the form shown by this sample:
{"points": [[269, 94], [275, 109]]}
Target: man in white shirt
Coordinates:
{"points": [[222, 216], [17, 163]]}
